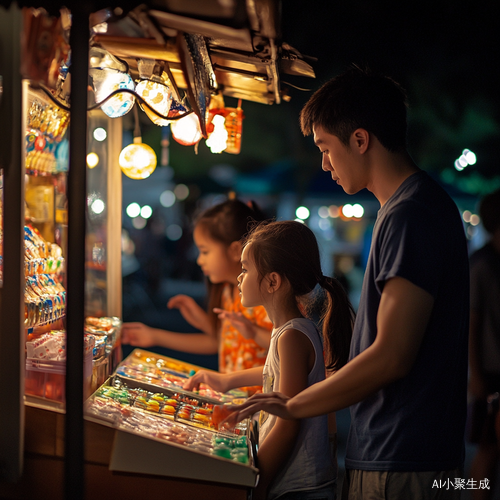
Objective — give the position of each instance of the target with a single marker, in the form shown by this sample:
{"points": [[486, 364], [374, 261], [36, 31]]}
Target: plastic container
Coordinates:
{"points": [[47, 378]]}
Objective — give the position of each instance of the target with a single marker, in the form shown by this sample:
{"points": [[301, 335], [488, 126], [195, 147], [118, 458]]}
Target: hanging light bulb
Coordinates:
{"points": [[137, 160], [217, 140], [158, 96], [109, 74], [186, 131]]}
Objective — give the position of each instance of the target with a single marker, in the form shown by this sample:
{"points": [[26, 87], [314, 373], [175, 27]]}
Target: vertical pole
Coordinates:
{"points": [[114, 220], [12, 124], [77, 202]]}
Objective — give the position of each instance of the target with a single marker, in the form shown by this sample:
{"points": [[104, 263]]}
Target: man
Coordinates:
{"points": [[406, 380], [484, 356]]}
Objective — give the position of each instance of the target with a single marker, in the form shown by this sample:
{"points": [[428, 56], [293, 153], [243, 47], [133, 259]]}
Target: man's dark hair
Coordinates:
{"points": [[489, 211], [359, 99]]}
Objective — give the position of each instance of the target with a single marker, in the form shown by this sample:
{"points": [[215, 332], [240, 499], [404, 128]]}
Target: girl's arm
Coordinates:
{"points": [[223, 382], [296, 354], [139, 334]]}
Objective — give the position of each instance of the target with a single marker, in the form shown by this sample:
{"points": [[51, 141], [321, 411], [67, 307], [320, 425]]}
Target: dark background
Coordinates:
{"points": [[444, 53]]}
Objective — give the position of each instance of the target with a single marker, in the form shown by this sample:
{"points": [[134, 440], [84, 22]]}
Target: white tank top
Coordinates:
{"points": [[310, 464]]}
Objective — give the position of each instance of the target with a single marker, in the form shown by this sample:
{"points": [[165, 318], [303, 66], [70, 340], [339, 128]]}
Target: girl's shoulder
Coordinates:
{"points": [[304, 325]]}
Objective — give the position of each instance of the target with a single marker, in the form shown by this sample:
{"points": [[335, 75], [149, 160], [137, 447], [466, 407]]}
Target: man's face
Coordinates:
{"points": [[338, 159]]}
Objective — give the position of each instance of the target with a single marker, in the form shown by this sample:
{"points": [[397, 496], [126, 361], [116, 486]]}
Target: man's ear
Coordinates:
{"points": [[360, 140], [274, 282], [234, 251]]}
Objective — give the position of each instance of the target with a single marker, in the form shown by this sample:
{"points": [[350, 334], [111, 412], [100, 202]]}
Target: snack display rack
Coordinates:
{"points": [[175, 426]]}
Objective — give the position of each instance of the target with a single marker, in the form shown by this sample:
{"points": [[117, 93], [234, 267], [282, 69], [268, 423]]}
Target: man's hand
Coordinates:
{"points": [[272, 402]]}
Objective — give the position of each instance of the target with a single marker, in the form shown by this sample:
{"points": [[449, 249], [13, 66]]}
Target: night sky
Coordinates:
{"points": [[444, 53]]}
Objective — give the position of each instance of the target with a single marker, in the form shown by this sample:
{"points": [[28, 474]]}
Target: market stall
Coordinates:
{"points": [[62, 96]]}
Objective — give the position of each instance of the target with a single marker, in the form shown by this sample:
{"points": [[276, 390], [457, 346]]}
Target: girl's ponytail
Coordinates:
{"points": [[337, 321]]}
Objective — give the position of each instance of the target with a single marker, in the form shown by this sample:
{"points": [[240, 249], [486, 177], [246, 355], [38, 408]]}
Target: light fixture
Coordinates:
{"points": [[92, 160], [186, 130], [108, 75], [217, 140], [137, 160], [224, 135], [155, 91], [100, 134]]}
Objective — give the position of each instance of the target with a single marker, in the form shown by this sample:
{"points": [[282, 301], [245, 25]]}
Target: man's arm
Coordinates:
{"points": [[402, 318]]}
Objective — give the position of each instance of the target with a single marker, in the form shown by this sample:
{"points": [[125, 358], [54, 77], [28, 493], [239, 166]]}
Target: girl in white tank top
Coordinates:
{"points": [[280, 267]]}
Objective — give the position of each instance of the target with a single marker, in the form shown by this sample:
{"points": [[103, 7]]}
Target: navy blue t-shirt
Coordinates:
{"points": [[416, 423]]}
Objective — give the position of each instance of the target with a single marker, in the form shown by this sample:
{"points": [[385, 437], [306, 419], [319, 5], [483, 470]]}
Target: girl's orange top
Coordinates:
{"points": [[235, 351]]}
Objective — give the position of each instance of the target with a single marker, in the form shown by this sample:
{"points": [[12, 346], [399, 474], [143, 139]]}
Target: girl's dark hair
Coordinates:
{"points": [[226, 222], [290, 249]]}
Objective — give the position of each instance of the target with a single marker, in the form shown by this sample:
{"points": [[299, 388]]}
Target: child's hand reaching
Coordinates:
{"points": [[190, 311], [215, 380], [240, 322], [138, 334]]}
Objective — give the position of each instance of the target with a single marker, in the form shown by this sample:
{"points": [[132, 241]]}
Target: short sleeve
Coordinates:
{"points": [[409, 247]]}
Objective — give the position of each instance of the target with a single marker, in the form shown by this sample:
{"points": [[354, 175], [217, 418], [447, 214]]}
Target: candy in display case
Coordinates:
{"points": [[162, 372], [175, 432], [46, 358]]}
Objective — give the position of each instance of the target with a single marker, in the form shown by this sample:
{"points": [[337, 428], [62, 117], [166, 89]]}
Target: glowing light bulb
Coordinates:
{"points": [[133, 210], [92, 160], [158, 96], [186, 131], [138, 160], [107, 81], [217, 140], [358, 211], [347, 210], [302, 213], [146, 212], [98, 206], [100, 134]]}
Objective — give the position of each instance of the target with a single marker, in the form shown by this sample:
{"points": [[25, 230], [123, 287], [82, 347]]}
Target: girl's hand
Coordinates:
{"points": [[244, 326], [190, 311], [215, 380], [138, 334]]}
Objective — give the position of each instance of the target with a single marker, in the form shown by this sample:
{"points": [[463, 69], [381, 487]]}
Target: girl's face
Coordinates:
{"points": [[214, 258], [248, 281]]}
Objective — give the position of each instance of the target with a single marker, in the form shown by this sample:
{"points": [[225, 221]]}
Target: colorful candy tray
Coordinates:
{"points": [[177, 439], [150, 371]]}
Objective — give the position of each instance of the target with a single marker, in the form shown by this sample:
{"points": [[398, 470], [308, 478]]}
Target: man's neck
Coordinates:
{"points": [[389, 171]]}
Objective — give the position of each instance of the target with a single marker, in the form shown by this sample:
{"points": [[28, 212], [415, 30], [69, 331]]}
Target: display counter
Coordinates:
{"points": [[143, 433], [43, 475]]}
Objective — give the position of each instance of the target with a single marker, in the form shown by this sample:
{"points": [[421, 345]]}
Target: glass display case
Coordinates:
{"points": [[46, 239]]}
